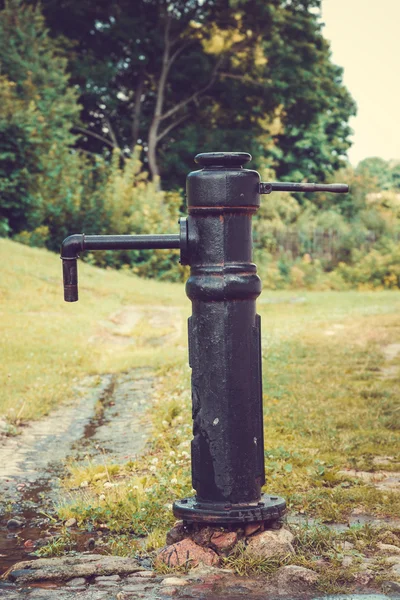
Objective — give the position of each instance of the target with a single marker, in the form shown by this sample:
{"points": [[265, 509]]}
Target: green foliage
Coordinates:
{"points": [[232, 66], [380, 268], [135, 205], [37, 107]]}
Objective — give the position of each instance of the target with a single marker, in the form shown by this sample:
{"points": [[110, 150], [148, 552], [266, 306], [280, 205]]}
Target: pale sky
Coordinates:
{"points": [[365, 41]]}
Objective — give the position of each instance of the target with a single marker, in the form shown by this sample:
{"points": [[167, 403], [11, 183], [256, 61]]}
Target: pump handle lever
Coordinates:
{"points": [[286, 186]]}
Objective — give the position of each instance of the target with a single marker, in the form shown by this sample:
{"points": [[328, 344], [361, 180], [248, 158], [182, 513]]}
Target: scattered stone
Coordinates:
{"points": [[107, 584], [395, 570], [70, 567], [186, 553], [136, 589], [76, 582], [170, 591], [251, 528], [393, 560], [146, 574], [14, 524], [391, 586], [347, 561], [108, 578], [29, 544], [203, 536], [173, 581], [294, 578], [348, 546], [176, 534], [70, 522], [388, 548], [271, 543], [223, 541]]}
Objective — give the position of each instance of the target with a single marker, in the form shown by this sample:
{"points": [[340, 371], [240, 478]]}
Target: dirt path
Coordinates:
{"points": [[107, 420], [104, 417]]}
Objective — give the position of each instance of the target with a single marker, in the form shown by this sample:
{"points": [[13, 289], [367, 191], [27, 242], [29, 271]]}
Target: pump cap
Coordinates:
{"points": [[223, 159]]}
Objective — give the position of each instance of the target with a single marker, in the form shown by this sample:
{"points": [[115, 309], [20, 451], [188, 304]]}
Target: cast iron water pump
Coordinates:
{"points": [[224, 334]]}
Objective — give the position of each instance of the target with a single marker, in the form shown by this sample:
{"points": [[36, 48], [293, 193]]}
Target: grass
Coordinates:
{"points": [[328, 409], [46, 341]]}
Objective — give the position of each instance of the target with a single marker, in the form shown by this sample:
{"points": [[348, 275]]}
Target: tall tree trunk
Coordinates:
{"points": [[152, 147], [137, 110]]}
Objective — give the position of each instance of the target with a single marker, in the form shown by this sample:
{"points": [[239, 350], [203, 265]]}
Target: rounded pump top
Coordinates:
{"points": [[228, 160]]}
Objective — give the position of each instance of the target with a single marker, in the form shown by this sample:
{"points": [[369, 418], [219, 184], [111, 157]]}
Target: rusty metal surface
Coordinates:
{"points": [[286, 186]]}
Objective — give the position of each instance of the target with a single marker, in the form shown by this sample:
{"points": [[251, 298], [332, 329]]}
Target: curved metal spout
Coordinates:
{"points": [[70, 249]]}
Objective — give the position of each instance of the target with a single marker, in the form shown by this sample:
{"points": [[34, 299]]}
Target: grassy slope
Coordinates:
{"points": [[327, 406], [45, 341]]}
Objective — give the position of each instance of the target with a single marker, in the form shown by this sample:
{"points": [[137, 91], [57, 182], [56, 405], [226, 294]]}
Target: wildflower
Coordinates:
{"points": [[153, 468], [174, 480]]}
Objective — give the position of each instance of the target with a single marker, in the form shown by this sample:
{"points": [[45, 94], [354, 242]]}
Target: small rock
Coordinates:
{"points": [[223, 541], [271, 543], [84, 484], [173, 581], [348, 546], [347, 561], [70, 522], [176, 534], [395, 570], [68, 567], [14, 524], [388, 548], [295, 576], [29, 544], [108, 578], [203, 536], [186, 553], [251, 528], [107, 584], [391, 586], [170, 591], [146, 574], [76, 582], [393, 560]]}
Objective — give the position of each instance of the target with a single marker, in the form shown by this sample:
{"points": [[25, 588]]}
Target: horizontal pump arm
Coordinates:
{"points": [[73, 245], [286, 186]]}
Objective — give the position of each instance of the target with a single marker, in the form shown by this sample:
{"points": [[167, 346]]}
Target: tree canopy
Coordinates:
{"points": [[182, 76]]}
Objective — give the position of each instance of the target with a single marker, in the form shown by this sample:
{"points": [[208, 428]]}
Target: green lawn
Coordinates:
{"points": [[331, 390]]}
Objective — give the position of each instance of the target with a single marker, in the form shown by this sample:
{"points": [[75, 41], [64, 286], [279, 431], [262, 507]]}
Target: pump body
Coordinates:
{"points": [[224, 335]]}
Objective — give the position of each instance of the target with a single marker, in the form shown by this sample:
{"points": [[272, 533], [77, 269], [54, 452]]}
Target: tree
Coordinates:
{"points": [[182, 76], [37, 110]]}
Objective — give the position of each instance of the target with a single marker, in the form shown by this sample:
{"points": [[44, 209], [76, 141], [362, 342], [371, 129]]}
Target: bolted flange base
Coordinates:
{"points": [[269, 508]]}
